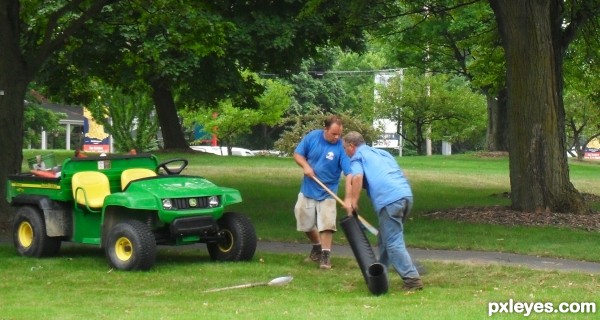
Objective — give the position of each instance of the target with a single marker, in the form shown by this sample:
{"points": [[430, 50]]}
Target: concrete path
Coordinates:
{"points": [[471, 257]]}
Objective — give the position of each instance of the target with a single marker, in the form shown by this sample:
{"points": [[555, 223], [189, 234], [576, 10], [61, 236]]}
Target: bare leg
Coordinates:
{"points": [[313, 236], [326, 239]]}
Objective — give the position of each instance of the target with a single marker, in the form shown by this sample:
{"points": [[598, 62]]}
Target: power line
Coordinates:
{"points": [[357, 71], [347, 73]]}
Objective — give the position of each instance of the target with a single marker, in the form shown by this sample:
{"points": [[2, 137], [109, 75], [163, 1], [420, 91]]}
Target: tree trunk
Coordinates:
{"points": [[539, 173], [420, 139], [21, 57], [11, 133], [14, 79], [170, 126], [497, 129]]}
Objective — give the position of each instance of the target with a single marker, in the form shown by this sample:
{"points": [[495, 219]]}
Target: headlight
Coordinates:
{"points": [[213, 201], [167, 204]]}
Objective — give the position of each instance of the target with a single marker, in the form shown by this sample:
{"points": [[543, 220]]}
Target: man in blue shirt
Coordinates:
{"points": [[379, 173], [321, 154]]}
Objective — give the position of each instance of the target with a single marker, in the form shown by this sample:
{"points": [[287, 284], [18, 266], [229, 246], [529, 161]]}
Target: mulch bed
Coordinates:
{"points": [[502, 215], [499, 215]]}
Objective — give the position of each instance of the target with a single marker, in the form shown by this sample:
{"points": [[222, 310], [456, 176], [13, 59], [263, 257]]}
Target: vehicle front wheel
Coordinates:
{"points": [[29, 234], [130, 245], [237, 239]]}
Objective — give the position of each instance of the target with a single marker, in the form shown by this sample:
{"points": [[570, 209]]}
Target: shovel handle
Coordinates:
{"points": [[364, 222]]}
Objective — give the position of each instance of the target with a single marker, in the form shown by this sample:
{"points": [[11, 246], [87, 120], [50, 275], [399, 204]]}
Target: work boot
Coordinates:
{"points": [[315, 253], [412, 284], [325, 259]]}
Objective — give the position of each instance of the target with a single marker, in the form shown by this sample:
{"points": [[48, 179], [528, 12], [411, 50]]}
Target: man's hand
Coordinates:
{"points": [[348, 206], [308, 171], [306, 168]]}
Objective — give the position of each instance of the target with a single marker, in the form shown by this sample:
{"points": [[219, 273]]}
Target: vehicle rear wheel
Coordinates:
{"points": [[130, 245], [237, 241], [29, 234]]}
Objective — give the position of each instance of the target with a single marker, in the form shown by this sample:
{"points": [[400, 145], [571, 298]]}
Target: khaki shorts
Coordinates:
{"points": [[311, 213]]}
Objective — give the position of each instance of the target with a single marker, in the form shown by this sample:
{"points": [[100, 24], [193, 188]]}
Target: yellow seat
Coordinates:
{"points": [[129, 175], [90, 188]]}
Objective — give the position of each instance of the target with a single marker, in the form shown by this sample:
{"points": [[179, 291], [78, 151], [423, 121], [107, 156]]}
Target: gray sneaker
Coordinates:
{"points": [[412, 284], [325, 259], [315, 253]]}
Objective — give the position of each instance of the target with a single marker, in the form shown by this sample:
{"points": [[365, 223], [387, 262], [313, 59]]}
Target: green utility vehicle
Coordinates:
{"points": [[126, 204]]}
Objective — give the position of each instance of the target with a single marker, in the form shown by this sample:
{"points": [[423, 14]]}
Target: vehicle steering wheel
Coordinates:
{"points": [[173, 166]]}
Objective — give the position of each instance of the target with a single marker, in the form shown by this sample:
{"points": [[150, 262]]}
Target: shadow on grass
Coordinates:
{"points": [[165, 255]]}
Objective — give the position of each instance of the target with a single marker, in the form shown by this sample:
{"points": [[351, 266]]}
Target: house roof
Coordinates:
{"points": [[74, 113]]}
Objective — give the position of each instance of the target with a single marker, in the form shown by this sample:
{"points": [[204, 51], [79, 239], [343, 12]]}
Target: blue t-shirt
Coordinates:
{"points": [[327, 160], [382, 177]]}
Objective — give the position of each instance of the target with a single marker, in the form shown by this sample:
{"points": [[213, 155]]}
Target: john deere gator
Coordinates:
{"points": [[127, 205]]}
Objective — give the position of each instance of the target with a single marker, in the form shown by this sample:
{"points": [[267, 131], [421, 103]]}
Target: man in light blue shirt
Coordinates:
{"points": [[378, 172], [321, 155]]}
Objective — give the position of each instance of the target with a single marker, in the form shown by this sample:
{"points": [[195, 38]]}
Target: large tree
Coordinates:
{"points": [[30, 32], [535, 35]]}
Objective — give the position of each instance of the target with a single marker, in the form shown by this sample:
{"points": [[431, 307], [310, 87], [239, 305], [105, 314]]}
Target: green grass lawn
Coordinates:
{"points": [[78, 284]]}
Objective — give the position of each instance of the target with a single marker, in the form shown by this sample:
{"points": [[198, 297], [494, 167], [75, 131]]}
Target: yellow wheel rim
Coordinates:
{"points": [[25, 234], [123, 249], [226, 244]]}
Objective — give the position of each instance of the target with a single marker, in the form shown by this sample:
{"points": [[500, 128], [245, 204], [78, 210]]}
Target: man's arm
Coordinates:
{"points": [[301, 161], [356, 188], [348, 198]]}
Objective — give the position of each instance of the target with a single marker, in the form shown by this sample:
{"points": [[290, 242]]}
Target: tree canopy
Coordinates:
{"points": [[444, 104], [193, 53]]}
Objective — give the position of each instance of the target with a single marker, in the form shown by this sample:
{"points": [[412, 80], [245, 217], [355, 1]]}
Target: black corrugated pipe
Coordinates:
{"points": [[375, 273]]}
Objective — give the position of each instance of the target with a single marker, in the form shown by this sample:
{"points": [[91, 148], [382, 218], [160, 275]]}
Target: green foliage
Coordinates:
{"points": [[38, 119], [581, 94], [357, 79], [229, 121], [168, 39], [274, 101], [192, 50], [445, 104], [128, 117], [444, 38], [139, 42], [314, 90], [582, 120]]}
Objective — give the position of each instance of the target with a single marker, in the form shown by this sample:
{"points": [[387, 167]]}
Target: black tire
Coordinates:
{"points": [[29, 234], [237, 241], [131, 245]]}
